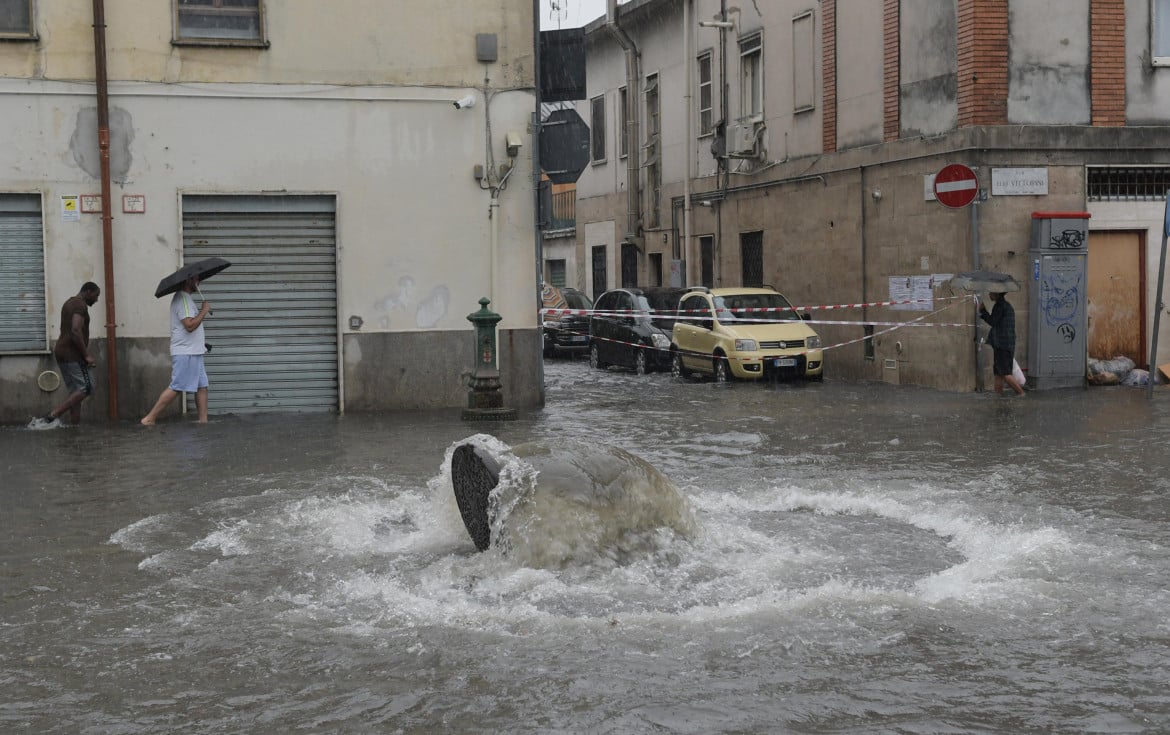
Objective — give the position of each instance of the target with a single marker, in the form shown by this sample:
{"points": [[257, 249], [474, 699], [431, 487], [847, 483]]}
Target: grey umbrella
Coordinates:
{"points": [[204, 269], [985, 281]]}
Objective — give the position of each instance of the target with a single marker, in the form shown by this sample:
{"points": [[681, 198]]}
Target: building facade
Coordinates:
{"points": [[368, 172], [796, 143]]}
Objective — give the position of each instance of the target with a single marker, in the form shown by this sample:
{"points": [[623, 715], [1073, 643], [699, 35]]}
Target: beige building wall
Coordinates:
{"points": [[364, 116]]}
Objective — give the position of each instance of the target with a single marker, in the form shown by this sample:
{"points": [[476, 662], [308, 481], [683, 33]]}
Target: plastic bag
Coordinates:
{"points": [[1137, 376], [1120, 366], [1018, 374]]}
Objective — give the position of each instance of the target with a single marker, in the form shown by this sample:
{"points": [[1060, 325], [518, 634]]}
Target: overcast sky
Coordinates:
{"points": [[570, 13]]}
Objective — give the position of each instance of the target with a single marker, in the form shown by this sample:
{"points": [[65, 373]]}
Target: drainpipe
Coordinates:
{"points": [[536, 213], [633, 183], [724, 163], [683, 253], [103, 111], [975, 265]]}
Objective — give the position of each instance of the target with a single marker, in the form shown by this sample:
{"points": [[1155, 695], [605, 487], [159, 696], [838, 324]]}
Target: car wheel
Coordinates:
{"points": [[550, 349], [595, 358], [677, 371], [719, 368], [640, 362]]}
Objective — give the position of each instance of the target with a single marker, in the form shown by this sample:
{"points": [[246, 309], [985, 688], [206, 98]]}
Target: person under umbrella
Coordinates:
{"points": [[1002, 339], [187, 349]]}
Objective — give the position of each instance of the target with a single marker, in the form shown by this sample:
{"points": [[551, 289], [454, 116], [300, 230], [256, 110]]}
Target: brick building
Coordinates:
{"points": [[795, 143]]}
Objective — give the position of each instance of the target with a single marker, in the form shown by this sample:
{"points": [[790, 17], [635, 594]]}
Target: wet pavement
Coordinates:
{"points": [[868, 558]]}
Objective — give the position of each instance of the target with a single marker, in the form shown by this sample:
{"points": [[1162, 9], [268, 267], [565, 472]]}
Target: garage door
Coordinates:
{"points": [[22, 275], [273, 329]]}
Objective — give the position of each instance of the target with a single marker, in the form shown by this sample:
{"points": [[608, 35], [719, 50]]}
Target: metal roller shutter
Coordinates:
{"points": [[23, 326], [274, 322]]}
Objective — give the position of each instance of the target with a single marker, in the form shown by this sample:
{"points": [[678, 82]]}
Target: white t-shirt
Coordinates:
{"points": [[182, 341]]}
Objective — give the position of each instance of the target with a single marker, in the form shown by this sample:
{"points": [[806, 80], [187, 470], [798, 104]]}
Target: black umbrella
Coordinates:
{"points": [[986, 281], [204, 269]]}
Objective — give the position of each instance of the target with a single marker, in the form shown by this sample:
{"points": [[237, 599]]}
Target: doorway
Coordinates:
{"points": [[1116, 296]]}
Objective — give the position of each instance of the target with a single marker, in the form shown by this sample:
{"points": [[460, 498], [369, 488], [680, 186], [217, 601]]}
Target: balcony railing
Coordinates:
{"points": [[564, 210]]}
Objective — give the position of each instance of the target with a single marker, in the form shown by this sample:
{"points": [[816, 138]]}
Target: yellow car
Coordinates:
{"points": [[747, 333]]}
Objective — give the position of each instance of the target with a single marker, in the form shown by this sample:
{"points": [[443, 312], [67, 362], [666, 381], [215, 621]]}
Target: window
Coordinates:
{"points": [[16, 19], [556, 272], [1160, 32], [751, 63], [1128, 184], [706, 96], [751, 248], [803, 63], [653, 151], [597, 128], [220, 22], [23, 327], [623, 124]]}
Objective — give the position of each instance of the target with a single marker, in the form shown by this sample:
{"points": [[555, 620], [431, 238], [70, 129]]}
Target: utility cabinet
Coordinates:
{"points": [[1057, 305]]}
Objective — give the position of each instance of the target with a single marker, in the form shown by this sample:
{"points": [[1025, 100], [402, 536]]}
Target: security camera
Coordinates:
{"points": [[464, 102]]}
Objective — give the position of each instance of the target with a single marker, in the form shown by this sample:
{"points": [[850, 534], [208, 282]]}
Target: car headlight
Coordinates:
{"points": [[660, 341], [812, 342], [746, 345]]}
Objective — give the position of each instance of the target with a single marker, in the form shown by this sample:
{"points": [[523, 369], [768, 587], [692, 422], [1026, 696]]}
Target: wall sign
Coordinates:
{"points": [[1007, 182], [70, 208], [91, 203], [133, 203]]}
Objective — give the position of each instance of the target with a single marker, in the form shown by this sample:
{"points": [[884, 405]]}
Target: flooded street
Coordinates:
{"points": [[868, 558]]}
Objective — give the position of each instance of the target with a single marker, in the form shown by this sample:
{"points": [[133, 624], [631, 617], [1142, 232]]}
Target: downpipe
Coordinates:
{"points": [[103, 112]]}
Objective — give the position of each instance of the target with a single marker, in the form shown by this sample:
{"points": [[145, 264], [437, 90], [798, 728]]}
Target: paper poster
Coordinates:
{"points": [[920, 289]]}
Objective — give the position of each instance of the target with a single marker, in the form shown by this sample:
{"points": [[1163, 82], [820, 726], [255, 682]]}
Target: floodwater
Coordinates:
{"points": [[866, 559]]}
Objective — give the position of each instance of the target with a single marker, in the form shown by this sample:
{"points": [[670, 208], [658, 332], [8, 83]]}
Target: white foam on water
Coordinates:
{"points": [[1000, 559], [365, 554]]}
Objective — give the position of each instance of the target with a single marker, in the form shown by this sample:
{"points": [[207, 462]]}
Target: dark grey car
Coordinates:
{"points": [[630, 327]]}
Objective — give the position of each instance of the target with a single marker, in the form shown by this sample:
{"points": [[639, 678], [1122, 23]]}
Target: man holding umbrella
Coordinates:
{"points": [[1002, 339], [187, 348]]}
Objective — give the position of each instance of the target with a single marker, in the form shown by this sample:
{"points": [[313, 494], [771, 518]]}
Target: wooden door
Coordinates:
{"points": [[1116, 296]]}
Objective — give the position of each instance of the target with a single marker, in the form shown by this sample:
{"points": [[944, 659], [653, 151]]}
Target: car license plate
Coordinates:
{"points": [[580, 338], [785, 362]]}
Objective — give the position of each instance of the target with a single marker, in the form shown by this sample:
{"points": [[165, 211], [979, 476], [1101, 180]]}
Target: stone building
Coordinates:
{"points": [[795, 143], [367, 170]]}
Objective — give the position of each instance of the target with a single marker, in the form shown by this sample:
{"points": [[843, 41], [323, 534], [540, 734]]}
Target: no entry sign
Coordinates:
{"points": [[956, 186]]}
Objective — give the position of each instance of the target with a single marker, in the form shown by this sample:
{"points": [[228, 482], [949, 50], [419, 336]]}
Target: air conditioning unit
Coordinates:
{"points": [[743, 137]]}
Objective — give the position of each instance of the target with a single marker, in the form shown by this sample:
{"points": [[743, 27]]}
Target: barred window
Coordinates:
{"points": [[219, 22], [1128, 184]]}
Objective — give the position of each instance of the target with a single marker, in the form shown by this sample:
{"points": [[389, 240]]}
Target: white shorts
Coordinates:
{"points": [[187, 373]]}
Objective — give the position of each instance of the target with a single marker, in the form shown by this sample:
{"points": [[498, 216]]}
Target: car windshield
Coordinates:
{"points": [[664, 305], [578, 300], [642, 311], [749, 307]]}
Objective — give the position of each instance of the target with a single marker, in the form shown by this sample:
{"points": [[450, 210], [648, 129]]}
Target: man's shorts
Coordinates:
{"points": [[1002, 362], [77, 378], [187, 373]]}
